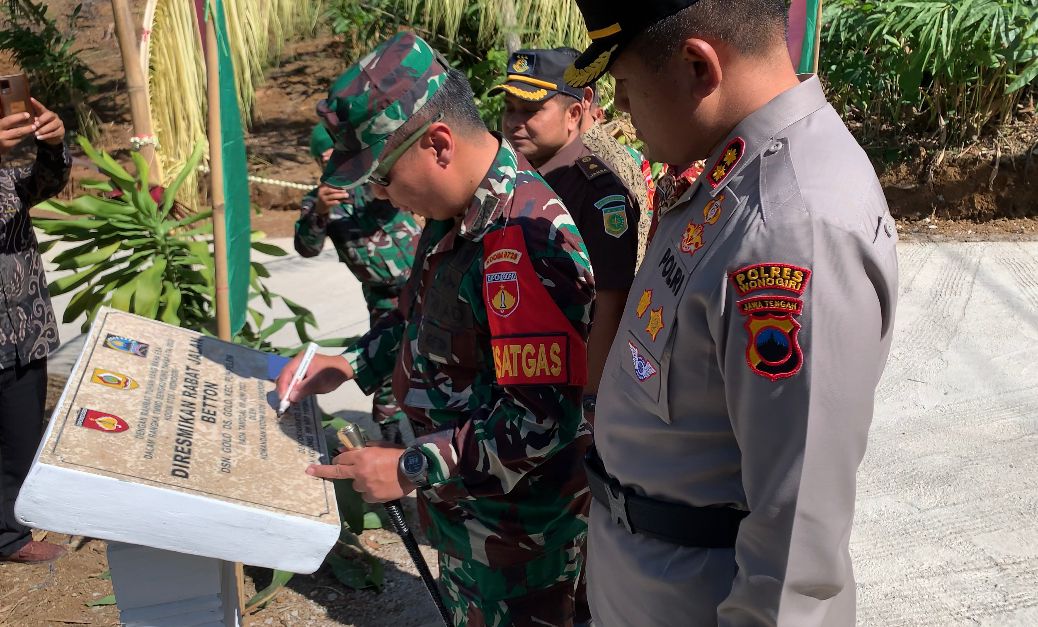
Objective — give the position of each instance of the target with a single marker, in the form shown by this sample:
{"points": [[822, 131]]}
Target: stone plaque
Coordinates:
{"points": [[171, 440]]}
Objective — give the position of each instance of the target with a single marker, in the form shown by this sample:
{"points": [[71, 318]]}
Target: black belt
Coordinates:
{"points": [[684, 525]]}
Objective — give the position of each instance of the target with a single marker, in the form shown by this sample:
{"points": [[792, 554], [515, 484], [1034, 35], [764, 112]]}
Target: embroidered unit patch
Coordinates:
{"points": [[614, 214], [642, 368], [531, 360], [693, 238], [503, 292], [770, 276], [712, 210], [730, 157], [510, 255], [655, 323], [644, 302], [773, 347], [522, 63]]}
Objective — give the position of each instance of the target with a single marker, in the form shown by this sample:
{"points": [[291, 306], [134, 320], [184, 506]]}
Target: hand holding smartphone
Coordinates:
{"points": [[14, 95]]}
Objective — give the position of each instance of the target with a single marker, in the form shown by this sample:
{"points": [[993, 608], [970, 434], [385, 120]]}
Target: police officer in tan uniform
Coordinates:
{"points": [[544, 118], [737, 397]]}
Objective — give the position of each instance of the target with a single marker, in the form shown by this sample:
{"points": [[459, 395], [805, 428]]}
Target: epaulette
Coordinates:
{"points": [[592, 167]]}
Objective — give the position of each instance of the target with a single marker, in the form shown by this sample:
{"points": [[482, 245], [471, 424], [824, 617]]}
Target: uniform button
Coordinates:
{"points": [[774, 147]]}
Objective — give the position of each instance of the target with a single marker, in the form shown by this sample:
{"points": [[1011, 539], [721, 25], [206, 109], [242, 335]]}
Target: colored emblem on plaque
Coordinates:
{"points": [[644, 302], [503, 292], [655, 323], [113, 379], [100, 421], [642, 368], [693, 238], [126, 345], [614, 214], [712, 210]]}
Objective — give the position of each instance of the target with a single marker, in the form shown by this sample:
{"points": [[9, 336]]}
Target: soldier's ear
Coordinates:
{"points": [[443, 142]]}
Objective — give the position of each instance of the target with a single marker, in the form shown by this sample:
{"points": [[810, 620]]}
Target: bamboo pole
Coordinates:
{"points": [[136, 87], [223, 307], [818, 35], [223, 310]]}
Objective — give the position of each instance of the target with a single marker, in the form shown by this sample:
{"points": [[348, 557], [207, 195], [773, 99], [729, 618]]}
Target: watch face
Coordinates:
{"points": [[413, 462]]}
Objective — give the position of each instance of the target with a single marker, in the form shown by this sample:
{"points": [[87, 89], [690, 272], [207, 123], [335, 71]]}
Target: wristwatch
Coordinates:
{"points": [[415, 467]]}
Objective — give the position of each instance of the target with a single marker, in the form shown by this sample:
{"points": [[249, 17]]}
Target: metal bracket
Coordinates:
{"points": [[618, 507]]}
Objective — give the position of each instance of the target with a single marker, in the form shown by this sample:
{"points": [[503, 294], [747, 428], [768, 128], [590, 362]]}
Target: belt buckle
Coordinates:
{"points": [[618, 506]]}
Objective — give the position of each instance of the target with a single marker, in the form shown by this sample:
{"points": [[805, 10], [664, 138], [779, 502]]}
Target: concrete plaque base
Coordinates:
{"points": [[156, 588]]}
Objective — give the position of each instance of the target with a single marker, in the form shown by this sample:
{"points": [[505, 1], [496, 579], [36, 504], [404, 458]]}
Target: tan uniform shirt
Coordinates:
{"points": [[744, 373]]}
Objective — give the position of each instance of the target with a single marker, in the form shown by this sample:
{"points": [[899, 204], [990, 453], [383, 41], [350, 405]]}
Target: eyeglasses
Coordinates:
{"points": [[380, 176]]}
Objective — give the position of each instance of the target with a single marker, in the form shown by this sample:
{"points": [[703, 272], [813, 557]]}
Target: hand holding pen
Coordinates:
{"points": [[318, 374]]}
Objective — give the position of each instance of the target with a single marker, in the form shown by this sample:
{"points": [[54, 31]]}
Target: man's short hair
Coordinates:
{"points": [[455, 101], [749, 26]]}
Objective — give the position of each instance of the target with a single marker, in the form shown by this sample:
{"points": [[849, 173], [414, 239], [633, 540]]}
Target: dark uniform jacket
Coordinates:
{"points": [[604, 210]]}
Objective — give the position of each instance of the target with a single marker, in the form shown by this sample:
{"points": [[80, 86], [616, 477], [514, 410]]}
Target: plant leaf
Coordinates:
{"points": [[149, 288], [108, 600], [266, 595], [269, 249]]}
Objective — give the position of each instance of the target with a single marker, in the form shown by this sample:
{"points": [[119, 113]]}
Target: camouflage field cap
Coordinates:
{"points": [[374, 98]]}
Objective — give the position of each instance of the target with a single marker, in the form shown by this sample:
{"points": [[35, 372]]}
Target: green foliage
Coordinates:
{"points": [[43, 50], [105, 600], [132, 253], [932, 66], [278, 581], [471, 34]]}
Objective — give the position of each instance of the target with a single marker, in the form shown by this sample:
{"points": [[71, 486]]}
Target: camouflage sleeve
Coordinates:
{"points": [[517, 428], [311, 227], [47, 176], [373, 356]]}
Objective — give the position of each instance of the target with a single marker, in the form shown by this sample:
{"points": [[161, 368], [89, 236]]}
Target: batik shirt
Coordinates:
{"points": [[487, 349], [28, 329]]}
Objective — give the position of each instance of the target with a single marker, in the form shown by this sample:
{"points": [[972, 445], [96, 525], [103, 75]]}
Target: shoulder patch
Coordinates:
{"points": [[614, 214], [773, 349], [730, 157], [770, 276], [592, 167]]}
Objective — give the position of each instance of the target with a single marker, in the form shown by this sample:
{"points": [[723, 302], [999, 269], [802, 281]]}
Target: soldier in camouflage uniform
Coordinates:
{"points": [[487, 348], [375, 240]]}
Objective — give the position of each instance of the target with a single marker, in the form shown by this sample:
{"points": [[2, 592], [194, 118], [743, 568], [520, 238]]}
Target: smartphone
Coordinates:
{"points": [[14, 95]]}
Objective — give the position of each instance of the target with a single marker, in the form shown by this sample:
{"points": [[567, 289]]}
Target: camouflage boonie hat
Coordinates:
{"points": [[374, 98]]}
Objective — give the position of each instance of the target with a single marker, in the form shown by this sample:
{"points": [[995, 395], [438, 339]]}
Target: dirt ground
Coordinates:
{"points": [[983, 193]]}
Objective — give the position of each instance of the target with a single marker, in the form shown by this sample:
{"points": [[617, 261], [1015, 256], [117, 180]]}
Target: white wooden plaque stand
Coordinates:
{"points": [[166, 443]]}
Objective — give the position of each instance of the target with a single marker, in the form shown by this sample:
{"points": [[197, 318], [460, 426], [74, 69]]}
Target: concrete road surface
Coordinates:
{"points": [[946, 531]]}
